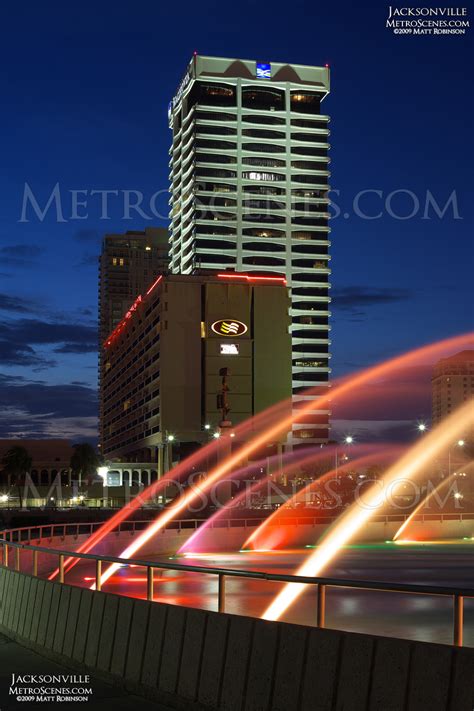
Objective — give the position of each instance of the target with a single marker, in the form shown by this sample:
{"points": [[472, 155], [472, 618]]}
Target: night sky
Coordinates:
{"points": [[84, 93]]}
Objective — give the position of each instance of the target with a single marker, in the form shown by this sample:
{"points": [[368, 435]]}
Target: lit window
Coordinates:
{"points": [[121, 261], [229, 349], [114, 261]]}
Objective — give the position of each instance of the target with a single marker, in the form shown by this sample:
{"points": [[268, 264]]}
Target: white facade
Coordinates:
{"points": [[249, 172]]}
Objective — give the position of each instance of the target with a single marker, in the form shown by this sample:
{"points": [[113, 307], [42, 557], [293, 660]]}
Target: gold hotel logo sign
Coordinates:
{"points": [[229, 327]]}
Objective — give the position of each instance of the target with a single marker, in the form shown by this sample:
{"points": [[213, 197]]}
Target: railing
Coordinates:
{"points": [[321, 583], [61, 530]]}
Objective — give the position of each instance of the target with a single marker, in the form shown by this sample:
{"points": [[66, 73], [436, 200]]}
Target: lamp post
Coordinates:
{"points": [[102, 471], [347, 440], [170, 438], [459, 443]]}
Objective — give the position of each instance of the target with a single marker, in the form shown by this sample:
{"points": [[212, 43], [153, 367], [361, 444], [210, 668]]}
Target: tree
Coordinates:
{"points": [[84, 461], [16, 463]]}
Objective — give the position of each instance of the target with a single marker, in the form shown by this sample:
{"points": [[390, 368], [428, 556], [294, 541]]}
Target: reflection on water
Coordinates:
{"points": [[427, 618]]}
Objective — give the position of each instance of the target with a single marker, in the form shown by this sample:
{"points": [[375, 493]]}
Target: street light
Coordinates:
{"points": [[348, 439], [102, 472], [216, 435], [170, 438], [459, 443], [207, 426], [4, 498], [422, 427]]}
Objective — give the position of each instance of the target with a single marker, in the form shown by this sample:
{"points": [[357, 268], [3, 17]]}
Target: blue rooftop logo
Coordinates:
{"points": [[264, 71]]}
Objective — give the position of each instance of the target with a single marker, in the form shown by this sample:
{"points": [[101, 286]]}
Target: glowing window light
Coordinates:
{"points": [[247, 277]]}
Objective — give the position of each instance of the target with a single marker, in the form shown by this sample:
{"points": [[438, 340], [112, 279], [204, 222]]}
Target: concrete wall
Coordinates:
{"points": [[193, 659]]}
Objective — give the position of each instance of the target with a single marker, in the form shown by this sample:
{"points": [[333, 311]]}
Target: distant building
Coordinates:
{"points": [[452, 385], [50, 458], [163, 366], [128, 264], [249, 176]]}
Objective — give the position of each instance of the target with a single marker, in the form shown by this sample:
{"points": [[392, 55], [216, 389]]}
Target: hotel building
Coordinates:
{"points": [[163, 365], [249, 193]]}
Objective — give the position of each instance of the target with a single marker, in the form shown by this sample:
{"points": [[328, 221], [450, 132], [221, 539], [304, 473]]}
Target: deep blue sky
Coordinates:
{"points": [[84, 92]]}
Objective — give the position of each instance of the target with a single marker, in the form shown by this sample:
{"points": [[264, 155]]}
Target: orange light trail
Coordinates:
{"points": [[274, 431], [351, 521]]}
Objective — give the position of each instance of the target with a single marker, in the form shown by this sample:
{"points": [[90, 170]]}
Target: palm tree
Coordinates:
{"points": [[16, 463], [84, 461]]}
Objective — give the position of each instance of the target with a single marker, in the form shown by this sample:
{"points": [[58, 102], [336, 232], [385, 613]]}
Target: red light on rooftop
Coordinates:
{"points": [[247, 277], [327, 66]]}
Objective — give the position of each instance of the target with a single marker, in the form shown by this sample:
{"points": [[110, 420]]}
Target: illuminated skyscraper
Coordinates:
{"points": [[249, 192]]}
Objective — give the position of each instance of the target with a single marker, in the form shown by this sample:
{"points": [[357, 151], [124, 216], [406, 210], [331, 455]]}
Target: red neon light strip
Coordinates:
{"points": [[153, 285], [119, 328], [281, 280]]}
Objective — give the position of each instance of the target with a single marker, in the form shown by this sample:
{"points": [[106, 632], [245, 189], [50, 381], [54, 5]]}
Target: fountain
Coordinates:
{"points": [[270, 535], [407, 467], [277, 427]]}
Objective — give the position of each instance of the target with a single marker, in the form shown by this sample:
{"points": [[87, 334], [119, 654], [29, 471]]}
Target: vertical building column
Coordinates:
{"points": [[239, 265]]}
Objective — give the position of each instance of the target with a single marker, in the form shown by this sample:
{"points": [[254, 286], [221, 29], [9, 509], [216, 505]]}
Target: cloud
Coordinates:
{"points": [[77, 348], [21, 354], [17, 423], [89, 260], [18, 338], [356, 299], [16, 304], [402, 394], [87, 236], [87, 312], [35, 331], [39, 398], [20, 255]]}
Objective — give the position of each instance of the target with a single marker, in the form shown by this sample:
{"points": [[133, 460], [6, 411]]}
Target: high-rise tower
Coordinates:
{"points": [[127, 265], [249, 192]]}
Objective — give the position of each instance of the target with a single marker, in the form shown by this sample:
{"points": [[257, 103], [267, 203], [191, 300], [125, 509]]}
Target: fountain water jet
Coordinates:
{"points": [[276, 427], [423, 503], [280, 426], [292, 459], [349, 523], [262, 537]]}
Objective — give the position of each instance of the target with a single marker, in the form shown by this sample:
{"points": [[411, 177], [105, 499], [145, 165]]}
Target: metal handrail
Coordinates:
{"points": [[456, 593], [195, 523]]}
